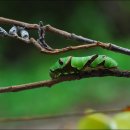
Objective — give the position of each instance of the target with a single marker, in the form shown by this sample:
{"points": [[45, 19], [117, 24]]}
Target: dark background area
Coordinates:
{"points": [[106, 21]]}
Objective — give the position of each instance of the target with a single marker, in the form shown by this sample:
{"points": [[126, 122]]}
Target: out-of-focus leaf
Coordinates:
{"points": [[97, 121], [123, 120], [127, 109]]}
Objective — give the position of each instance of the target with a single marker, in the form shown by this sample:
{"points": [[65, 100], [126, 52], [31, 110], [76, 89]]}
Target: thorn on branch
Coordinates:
{"points": [[41, 39]]}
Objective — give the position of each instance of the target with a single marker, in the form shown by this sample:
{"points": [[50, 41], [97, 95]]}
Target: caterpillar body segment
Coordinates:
{"points": [[72, 65]]}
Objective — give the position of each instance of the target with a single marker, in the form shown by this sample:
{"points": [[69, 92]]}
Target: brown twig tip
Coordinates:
{"points": [[49, 83]]}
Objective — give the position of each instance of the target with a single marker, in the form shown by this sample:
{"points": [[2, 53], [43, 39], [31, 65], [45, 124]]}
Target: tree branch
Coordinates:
{"points": [[90, 43], [49, 83], [48, 28], [108, 111], [18, 23]]}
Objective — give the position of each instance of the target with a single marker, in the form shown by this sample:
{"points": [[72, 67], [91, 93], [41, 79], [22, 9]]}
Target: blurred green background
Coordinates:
{"points": [[106, 21]]}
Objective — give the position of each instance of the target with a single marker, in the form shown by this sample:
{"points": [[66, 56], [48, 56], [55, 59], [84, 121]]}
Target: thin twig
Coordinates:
{"points": [[75, 114], [49, 83], [18, 23], [18, 38], [67, 35], [57, 51]]}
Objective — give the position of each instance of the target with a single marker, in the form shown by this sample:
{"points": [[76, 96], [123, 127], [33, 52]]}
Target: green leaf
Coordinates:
{"points": [[97, 121], [123, 120]]}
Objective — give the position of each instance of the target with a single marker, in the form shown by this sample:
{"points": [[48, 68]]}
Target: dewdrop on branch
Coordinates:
{"points": [[3, 32], [13, 31]]}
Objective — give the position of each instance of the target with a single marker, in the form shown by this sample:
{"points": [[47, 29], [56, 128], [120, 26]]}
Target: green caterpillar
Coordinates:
{"points": [[70, 65]]}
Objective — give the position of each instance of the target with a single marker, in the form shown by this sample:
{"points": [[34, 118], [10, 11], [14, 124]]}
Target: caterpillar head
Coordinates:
{"points": [[56, 69]]}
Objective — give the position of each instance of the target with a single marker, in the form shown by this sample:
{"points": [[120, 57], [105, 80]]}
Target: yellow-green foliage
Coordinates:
{"points": [[104, 121], [122, 120], [97, 121]]}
